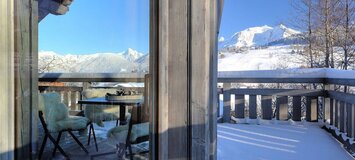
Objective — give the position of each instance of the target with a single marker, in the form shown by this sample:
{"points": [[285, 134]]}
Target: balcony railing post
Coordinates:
{"points": [[341, 114], [239, 106], [296, 102], [336, 114], [252, 107], [266, 107], [226, 102], [349, 119], [331, 110], [328, 104]]}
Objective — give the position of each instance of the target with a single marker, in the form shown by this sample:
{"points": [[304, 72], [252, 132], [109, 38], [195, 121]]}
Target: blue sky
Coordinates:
{"points": [[96, 27], [241, 14]]}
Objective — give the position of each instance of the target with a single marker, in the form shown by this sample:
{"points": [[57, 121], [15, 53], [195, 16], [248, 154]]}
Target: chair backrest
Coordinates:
{"points": [[45, 99], [51, 110], [99, 113]]}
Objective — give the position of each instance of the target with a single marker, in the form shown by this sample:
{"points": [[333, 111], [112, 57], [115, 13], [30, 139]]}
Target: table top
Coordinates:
{"points": [[104, 101]]}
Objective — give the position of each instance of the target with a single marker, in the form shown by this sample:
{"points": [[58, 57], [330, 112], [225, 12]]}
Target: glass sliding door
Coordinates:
{"points": [[96, 80]]}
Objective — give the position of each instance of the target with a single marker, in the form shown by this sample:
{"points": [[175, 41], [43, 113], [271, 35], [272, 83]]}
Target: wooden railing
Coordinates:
{"points": [[71, 94], [291, 95]]}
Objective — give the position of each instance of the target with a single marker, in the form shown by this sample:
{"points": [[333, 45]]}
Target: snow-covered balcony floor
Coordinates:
{"points": [[306, 141]]}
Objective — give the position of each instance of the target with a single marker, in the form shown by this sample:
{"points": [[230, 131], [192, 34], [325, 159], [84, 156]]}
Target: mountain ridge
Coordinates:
{"points": [[122, 62], [259, 36]]}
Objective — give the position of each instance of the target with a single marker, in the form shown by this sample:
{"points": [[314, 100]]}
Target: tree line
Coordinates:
{"points": [[329, 27]]}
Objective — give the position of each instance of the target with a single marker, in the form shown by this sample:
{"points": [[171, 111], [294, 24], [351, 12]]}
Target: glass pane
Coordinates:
{"points": [[102, 50]]}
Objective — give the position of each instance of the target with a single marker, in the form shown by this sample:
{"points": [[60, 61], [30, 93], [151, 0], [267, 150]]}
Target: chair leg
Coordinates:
{"points": [[93, 133], [57, 141], [42, 146], [130, 151], [57, 145], [89, 134], [116, 122], [77, 141]]}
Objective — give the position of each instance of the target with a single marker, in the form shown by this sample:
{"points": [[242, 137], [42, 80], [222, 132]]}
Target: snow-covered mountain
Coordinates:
{"points": [[132, 55], [258, 36], [255, 48], [127, 61]]}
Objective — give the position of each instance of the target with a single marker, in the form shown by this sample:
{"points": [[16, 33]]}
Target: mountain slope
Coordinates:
{"points": [[258, 36], [94, 63], [274, 57]]}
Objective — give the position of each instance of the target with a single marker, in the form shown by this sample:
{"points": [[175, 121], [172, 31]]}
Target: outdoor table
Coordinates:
{"points": [[121, 103]]}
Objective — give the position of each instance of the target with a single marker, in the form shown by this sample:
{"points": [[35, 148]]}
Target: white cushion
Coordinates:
{"points": [[56, 114]]}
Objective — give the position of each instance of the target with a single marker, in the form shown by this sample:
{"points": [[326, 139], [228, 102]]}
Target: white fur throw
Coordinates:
{"points": [[56, 114], [118, 134], [138, 130], [100, 113]]}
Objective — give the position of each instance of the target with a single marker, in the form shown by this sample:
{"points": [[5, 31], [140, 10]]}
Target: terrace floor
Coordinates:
{"points": [[105, 145], [277, 141], [267, 141]]}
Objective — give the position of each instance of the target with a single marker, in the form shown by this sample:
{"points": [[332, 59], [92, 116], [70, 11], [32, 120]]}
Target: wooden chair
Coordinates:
{"points": [[125, 136], [137, 133], [55, 118], [130, 135]]}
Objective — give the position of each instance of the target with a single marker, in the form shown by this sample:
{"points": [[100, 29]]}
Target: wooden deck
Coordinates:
{"points": [[74, 152], [278, 140]]}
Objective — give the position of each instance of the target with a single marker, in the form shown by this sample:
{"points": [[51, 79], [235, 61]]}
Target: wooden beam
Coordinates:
{"points": [[202, 46], [7, 107], [178, 80], [155, 112], [341, 96], [187, 92], [162, 11], [26, 83], [340, 81]]}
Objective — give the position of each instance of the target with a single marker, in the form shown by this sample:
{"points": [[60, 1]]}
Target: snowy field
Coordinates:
{"points": [[304, 141], [275, 57]]}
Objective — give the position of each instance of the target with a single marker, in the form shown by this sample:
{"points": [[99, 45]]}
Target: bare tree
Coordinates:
{"points": [[46, 64], [304, 21], [328, 22], [346, 32]]}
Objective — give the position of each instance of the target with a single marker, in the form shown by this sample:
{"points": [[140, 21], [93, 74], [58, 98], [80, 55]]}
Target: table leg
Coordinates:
{"points": [[123, 115]]}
